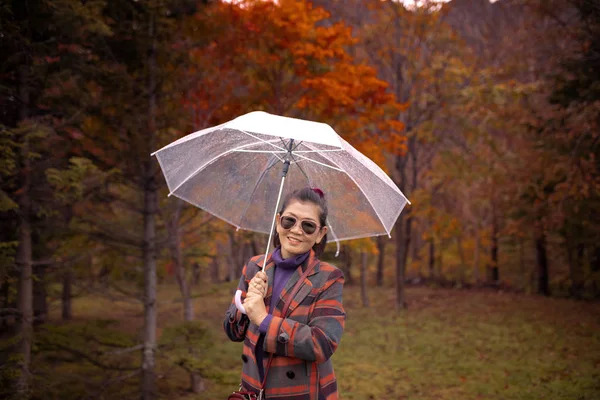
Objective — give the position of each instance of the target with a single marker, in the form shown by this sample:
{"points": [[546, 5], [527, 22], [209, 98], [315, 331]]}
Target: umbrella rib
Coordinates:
{"points": [[318, 151], [364, 194], [213, 160], [269, 142], [301, 170], [320, 163], [337, 240], [272, 163], [189, 137], [260, 151], [218, 215]]}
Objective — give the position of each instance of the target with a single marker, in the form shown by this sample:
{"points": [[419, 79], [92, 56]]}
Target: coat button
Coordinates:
{"points": [[244, 358], [284, 337], [290, 374]]}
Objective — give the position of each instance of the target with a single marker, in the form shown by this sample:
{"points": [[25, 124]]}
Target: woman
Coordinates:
{"points": [[302, 341]]}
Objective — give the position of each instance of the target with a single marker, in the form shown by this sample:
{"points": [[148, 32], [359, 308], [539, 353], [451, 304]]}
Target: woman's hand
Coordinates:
{"points": [[258, 284], [254, 302]]}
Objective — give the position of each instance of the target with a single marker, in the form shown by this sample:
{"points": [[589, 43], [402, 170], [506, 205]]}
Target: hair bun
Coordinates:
{"points": [[319, 192]]}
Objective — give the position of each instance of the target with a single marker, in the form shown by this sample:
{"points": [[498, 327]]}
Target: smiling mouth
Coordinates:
{"points": [[293, 240]]}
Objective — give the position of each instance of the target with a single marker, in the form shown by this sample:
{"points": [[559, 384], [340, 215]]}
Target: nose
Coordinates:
{"points": [[297, 228]]}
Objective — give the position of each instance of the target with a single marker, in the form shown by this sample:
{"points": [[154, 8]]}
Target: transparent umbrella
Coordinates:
{"points": [[238, 170]]}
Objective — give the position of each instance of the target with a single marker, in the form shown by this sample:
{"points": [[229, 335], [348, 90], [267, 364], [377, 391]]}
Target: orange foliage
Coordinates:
{"points": [[287, 58]]}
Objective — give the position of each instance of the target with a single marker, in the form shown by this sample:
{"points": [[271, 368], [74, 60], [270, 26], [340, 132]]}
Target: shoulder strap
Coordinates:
{"points": [[286, 306]]}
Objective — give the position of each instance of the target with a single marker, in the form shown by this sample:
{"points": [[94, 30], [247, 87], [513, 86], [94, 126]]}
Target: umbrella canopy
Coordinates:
{"points": [[234, 171]]}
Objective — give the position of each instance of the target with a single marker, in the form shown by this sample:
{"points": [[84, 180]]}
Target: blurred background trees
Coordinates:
{"points": [[485, 114]]}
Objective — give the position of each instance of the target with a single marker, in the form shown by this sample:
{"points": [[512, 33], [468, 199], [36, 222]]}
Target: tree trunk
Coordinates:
{"points": [[576, 271], [67, 303], [5, 290], [363, 279], [493, 273], [196, 273], [197, 384], [347, 266], [40, 303], [25, 299], [223, 249], [432, 259], [476, 256], [214, 270], [24, 253], [416, 243], [542, 263], [178, 262], [494, 255], [196, 381], [380, 260], [232, 270], [463, 261], [148, 361], [149, 250], [184, 287], [522, 264], [403, 224], [403, 227], [439, 265], [594, 259]]}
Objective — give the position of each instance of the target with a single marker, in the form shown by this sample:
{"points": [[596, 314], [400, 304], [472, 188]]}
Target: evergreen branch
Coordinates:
{"points": [[136, 296], [93, 361], [122, 351], [9, 312]]}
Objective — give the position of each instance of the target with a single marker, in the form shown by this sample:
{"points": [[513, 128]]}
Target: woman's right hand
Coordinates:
{"points": [[258, 284], [254, 302]]}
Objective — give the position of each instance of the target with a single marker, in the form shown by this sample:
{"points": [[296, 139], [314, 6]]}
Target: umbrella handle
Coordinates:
{"points": [[238, 301], [286, 166]]}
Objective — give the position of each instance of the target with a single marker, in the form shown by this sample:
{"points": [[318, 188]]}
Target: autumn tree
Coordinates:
{"points": [[33, 121], [569, 127], [416, 52], [297, 62], [135, 110]]}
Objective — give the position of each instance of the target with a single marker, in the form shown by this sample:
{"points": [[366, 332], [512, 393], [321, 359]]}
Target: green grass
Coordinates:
{"points": [[448, 345]]}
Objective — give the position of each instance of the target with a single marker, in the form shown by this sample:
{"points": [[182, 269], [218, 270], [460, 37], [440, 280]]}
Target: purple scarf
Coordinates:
{"points": [[292, 262]]}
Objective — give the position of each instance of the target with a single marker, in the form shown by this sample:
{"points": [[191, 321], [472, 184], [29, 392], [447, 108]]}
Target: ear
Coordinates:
{"points": [[277, 222], [322, 233]]}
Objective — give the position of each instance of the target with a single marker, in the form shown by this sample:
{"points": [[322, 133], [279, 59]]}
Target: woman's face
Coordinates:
{"points": [[294, 240]]}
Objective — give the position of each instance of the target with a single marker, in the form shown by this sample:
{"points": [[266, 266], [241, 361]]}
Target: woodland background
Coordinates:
{"points": [[484, 114]]}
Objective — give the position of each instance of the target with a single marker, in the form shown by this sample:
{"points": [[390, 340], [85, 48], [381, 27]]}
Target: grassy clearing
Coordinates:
{"points": [[448, 345]]}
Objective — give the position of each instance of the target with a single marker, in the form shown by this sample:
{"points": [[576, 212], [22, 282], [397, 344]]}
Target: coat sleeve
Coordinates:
{"points": [[317, 340], [236, 323]]}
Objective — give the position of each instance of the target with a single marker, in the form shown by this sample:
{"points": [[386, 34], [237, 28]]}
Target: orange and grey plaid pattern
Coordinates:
{"points": [[303, 342]]}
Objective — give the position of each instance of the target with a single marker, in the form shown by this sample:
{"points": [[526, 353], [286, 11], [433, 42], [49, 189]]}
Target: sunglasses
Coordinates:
{"points": [[308, 227]]}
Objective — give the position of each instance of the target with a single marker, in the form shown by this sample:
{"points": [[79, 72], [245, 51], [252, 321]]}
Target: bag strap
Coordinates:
{"points": [[286, 306]]}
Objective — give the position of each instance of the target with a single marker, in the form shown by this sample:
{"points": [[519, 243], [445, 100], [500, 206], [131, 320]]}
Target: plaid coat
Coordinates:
{"points": [[303, 342]]}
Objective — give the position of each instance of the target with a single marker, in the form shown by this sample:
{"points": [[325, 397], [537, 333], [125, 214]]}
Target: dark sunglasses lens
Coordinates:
{"points": [[288, 222], [308, 227]]}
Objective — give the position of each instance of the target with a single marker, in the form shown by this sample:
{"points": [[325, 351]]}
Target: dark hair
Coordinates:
{"points": [[312, 195]]}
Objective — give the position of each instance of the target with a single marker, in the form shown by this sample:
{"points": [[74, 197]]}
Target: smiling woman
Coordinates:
{"points": [[295, 317], [301, 224]]}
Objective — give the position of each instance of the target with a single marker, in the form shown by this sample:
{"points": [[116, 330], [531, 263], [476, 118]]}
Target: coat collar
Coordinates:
{"points": [[270, 271]]}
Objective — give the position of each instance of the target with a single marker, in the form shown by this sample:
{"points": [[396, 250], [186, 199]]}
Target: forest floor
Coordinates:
{"points": [[448, 344]]}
